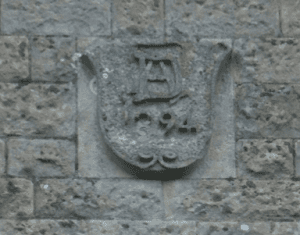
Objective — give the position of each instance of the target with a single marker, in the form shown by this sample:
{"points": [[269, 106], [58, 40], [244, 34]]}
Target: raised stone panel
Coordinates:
{"points": [[52, 59], [265, 159], [191, 20], [203, 57], [16, 198], [269, 60], [41, 158], [2, 157], [37, 109], [267, 111], [223, 200], [290, 18], [139, 21], [102, 199], [14, 62], [85, 18]]}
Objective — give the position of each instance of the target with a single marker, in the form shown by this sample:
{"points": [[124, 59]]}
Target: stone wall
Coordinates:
{"points": [[57, 176]]}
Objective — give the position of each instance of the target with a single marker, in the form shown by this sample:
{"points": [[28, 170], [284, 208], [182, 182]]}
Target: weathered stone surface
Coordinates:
{"points": [[241, 200], [139, 21], [41, 158], [37, 109], [86, 18], [14, 62], [265, 159], [105, 199], [267, 110], [192, 20], [297, 158], [2, 157], [286, 228], [290, 18], [271, 60], [16, 198], [92, 227], [232, 228], [52, 59]]}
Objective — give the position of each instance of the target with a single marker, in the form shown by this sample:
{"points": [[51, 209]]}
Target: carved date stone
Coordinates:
{"points": [[154, 101]]}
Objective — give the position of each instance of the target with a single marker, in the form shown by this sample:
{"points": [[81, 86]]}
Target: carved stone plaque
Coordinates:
{"points": [[154, 101]]}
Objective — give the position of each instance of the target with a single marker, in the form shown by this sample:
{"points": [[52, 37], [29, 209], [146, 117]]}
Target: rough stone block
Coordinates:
{"points": [[37, 109], [52, 59], [85, 18], [219, 200], [41, 158], [195, 19], [139, 21], [297, 158], [267, 110], [91, 148], [270, 60], [105, 199], [16, 198], [265, 159], [290, 18], [286, 228], [14, 64], [233, 228], [2, 157]]}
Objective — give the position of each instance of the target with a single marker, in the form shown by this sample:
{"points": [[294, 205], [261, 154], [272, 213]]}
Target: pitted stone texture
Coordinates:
{"points": [[139, 21], [37, 109], [194, 19], [105, 199], [286, 228], [233, 228], [85, 18], [271, 60], [41, 158], [14, 64], [265, 159], [217, 200], [16, 198], [2, 157], [93, 227], [52, 59], [267, 110], [290, 18]]}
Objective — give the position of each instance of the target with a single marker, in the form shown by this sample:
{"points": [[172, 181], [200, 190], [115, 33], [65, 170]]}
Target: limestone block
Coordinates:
{"points": [[16, 198], [85, 18], [105, 199], [14, 63], [41, 158], [290, 18], [37, 109], [265, 159], [139, 21], [52, 59], [270, 60], [241, 200], [287, 228], [267, 110], [194, 19], [233, 228], [2, 157]]}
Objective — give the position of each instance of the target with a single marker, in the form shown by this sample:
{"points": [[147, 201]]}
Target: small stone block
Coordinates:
{"points": [[290, 18], [2, 157], [41, 158]]}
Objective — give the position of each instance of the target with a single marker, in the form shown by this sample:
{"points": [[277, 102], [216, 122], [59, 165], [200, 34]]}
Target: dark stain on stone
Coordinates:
{"points": [[7, 45], [8, 103], [47, 161], [227, 210], [134, 30], [225, 229], [217, 198], [125, 226], [11, 188], [27, 171], [22, 48], [156, 3], [43, 231], [250, 184], [53, 89], [68, 224]]}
